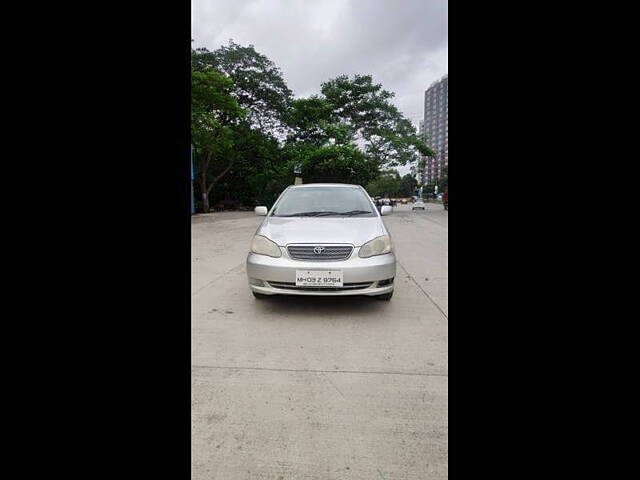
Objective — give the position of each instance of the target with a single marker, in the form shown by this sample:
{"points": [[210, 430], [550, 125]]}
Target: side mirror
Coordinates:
{"points": [[262, 211], [386, 210]]}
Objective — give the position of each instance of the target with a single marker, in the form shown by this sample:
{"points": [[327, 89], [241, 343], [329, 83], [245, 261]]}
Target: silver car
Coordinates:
{"points": [[418, 204], [322, 239]]}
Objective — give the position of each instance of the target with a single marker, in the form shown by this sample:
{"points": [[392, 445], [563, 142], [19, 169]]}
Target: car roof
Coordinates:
{"points": [[311, 185]]}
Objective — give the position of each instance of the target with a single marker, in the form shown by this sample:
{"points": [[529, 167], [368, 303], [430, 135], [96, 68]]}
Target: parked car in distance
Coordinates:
{"points": [[322, 240], [418, 204]]}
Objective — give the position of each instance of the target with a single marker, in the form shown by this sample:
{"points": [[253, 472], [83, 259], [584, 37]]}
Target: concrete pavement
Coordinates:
{"points": [[319, 388]]}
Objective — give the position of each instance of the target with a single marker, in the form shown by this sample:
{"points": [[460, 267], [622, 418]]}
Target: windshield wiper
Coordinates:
{"points": [[354, 212], [308, 214], [325, 214], [339, 214]]}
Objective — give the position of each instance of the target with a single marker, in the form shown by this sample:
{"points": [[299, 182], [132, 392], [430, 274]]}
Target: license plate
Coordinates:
{"points": [[318, 278]]}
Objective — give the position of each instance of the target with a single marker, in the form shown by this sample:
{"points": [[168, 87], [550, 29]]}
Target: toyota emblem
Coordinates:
{"points": [[318, 250]]}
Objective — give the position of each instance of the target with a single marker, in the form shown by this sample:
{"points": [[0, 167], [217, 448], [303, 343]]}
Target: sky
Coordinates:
{"points": [[403, 44]]}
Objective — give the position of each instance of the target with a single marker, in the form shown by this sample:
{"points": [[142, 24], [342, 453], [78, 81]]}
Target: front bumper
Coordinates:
{"points": [[364, 273]]}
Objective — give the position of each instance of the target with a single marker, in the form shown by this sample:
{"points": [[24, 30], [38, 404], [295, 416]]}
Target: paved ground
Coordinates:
{"points": [[319, 388]]}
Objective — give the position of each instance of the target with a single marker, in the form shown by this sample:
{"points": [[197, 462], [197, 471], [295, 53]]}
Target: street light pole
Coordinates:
{"points": [[297, 171]]}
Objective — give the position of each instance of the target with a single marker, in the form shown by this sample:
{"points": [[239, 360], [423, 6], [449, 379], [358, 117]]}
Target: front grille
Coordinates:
{"points": [[329, 252], [346, 286]]}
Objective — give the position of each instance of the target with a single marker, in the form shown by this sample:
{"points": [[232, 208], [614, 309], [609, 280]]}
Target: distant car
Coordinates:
{"points": [[439, 196], [418, 205], [404, 201]]}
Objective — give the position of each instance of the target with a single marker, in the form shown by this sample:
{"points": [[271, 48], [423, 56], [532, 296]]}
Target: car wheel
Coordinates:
{"points": [[386, 297], [259, 296]]}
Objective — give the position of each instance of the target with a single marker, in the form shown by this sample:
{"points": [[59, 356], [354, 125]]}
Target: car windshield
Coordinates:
{"points": [[324, 202]]}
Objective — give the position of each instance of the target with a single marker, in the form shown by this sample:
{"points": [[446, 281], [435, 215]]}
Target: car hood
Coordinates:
{"points": [[286, 230]]}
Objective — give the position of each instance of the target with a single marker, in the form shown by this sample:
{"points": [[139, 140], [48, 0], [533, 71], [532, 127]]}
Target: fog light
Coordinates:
{"points": [[384, 283], [256, 282]]}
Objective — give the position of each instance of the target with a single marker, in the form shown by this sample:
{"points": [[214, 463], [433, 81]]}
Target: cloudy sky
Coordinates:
{"points": [[402, 43]]}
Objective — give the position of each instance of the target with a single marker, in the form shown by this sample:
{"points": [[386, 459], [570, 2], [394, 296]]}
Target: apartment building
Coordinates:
{"points": [[435, 128]]}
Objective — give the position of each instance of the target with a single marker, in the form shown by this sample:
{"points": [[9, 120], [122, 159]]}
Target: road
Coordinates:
{"points": [[319, 388]]}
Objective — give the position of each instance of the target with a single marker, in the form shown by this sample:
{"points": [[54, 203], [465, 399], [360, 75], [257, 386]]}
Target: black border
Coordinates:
{"points": [[112, 218]]}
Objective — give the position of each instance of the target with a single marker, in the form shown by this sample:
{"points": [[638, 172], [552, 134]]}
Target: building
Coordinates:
{"points": [[419, 172], [435, 128]]}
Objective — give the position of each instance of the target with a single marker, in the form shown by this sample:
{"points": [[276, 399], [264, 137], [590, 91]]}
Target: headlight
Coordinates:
{"points": [[263, 246], [377, 246]]}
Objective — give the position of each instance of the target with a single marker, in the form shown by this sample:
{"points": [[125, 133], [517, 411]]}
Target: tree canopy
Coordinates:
{"points": [[391, 184], [249, 132], [258, 83], [366, 110]]}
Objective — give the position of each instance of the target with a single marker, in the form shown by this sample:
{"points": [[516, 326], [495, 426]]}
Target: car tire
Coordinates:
{"points": [[259, 296], [385, 297]]}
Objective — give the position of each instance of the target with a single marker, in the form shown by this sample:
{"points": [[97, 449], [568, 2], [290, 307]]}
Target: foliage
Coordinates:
{"points": [[214, 112], [364, 108], [310, 121], [431, 187], [392, 185], [232, 151], [334, 164], [249, 133], [352, 123], [258, 83], [385, 185], [408, 186]]}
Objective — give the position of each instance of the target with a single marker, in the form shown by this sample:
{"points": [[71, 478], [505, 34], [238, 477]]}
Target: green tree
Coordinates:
{"points": [[244, 159], [387, 184], [408, 185], [441, 184], [258, 84], [338, 163], [259, 172], [429, 188], [310, 121], [365, 109], [214, 112], [357, 116], [249, 132]]}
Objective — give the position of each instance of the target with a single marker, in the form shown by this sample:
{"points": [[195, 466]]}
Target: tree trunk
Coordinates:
{"points": [[205, 193], [204, 188], [208, 189], [205, 202], [224, 172]]}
